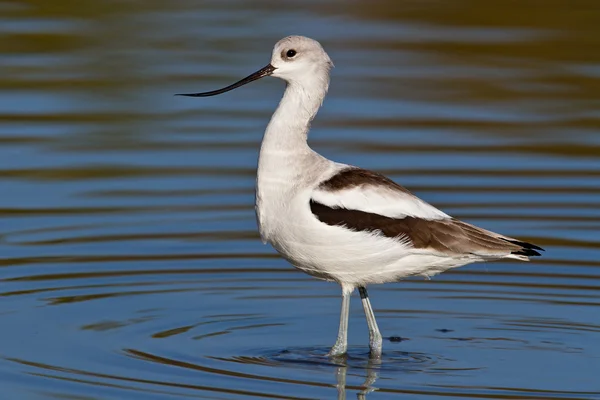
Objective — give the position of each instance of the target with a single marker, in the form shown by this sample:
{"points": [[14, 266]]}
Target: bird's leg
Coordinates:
{"points": [[374, 335], [341, 344]]}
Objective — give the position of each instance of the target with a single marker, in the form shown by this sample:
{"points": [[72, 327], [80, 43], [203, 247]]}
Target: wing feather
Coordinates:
{"points": [[362, 200], [360, 189]]}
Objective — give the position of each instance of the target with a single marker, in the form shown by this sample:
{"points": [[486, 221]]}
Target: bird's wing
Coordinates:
{"points": [[362, 200], [363, 190]]}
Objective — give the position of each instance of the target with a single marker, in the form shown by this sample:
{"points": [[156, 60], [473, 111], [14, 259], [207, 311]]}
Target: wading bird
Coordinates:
{"points": [[343, 223]]}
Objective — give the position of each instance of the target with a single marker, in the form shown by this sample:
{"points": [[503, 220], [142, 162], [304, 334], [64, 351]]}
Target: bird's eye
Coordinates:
{"points": [[290, 53]]}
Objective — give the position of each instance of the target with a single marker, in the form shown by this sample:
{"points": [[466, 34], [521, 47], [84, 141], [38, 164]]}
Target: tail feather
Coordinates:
{"points": [[527, 249]]}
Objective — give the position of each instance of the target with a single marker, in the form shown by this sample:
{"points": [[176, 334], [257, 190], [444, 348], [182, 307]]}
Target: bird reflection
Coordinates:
{"points": [[367, 387]]}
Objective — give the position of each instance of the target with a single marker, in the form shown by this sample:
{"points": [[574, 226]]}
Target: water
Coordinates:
{"points": [[130, 263]]}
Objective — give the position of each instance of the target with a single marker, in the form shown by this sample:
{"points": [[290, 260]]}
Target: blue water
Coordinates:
{"points": [[130, 263]]}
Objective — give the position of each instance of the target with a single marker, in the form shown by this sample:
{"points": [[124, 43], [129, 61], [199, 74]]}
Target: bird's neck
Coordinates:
{"points": [[287, 131], [284, 155]]}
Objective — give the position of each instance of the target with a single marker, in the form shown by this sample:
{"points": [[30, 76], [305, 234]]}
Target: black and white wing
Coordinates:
{"points": [[361, 200]]}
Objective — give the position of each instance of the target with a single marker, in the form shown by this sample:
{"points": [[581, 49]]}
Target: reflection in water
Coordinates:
{"points": [[371, 375], [130, 265], [367, 386]]}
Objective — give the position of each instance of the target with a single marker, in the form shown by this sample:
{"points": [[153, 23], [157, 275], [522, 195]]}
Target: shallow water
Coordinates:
{"points": [[130, 265]]}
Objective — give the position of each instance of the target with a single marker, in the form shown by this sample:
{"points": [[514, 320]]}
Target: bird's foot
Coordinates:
{"points": [[375, 345], [338, 349]]}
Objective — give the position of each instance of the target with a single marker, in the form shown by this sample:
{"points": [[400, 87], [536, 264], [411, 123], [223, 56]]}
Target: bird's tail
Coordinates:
{"points": [[525, 251]]}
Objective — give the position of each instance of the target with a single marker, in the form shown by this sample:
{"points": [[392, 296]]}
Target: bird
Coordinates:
{"points": [[342, 223]]}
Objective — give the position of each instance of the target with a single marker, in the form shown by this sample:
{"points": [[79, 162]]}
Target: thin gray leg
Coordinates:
{"points": [[341, 344], [374, 335]]}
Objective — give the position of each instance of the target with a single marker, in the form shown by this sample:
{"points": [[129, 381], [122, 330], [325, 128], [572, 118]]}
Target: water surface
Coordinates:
{"points": [[130, 264]]}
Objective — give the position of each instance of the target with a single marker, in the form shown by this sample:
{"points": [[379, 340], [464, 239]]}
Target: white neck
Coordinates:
{"points": [[285, 158], [287, 131]]}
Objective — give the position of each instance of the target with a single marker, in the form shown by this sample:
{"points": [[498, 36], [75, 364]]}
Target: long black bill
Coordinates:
{"points": [[266, 71]]}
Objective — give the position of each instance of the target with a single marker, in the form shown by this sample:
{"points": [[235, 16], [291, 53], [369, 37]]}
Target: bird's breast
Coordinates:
{"points": [[273, 199], [283, 185]]}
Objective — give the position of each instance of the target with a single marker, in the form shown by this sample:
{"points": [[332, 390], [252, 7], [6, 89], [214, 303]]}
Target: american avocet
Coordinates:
{"points": [[342, 223]]}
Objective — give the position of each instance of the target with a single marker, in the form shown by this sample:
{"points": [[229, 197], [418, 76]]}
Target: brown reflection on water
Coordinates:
{"points": [[131, 381]]}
